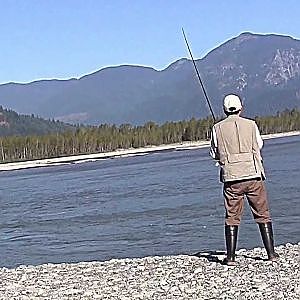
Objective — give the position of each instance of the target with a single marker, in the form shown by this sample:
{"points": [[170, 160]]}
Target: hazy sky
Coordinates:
{"points": [[70, 38]]}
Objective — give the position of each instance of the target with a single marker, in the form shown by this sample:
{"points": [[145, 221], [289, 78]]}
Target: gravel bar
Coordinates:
{"points": [[198, 276]]}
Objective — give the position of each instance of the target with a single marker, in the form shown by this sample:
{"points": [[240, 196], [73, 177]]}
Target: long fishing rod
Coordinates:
{"points": [[198, 75]]}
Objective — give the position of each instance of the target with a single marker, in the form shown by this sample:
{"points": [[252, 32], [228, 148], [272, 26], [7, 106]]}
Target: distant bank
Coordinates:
{"points": [[119, 153]]}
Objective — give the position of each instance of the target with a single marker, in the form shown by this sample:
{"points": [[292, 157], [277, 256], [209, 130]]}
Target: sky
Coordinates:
{"points": [[62, 39]]}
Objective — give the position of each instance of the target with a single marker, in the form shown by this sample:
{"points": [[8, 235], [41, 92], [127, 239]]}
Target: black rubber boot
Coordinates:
{"points": [[266, 232], [231, 233]]}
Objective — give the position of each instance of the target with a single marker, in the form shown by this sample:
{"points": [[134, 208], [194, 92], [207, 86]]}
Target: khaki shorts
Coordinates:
{"points": [[255, 192]]}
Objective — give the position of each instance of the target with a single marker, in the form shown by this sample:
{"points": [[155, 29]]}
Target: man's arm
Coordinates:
{"points": [[259, 139], [214, 145]]}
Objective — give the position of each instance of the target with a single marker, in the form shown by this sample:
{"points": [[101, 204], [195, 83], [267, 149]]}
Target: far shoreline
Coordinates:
{"points": [[188, 145]]}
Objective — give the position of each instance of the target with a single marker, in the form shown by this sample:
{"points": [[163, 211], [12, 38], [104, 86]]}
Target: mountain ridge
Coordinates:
{"points": [[263, 68]]}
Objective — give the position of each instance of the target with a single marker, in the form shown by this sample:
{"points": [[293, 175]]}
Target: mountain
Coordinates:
{"points": [[263, 69], [12, 123]]}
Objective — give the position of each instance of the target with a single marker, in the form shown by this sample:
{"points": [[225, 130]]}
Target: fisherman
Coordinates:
{"points": [[236, 144]]}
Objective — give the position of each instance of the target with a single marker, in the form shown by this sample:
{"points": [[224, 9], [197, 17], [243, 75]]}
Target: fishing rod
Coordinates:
{"points": [[198, 75]]}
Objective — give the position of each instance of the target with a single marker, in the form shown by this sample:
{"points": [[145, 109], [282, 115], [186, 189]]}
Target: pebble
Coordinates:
{"points": [[157, 278]]}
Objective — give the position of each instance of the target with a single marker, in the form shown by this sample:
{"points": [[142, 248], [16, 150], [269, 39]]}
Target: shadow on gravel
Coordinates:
{"points": [[253, 257], [212, 256]]}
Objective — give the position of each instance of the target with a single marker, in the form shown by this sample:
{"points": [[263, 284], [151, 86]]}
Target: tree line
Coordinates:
{"points": [[105, 138]]}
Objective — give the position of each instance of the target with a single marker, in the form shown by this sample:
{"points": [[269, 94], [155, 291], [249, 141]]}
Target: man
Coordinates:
{"points": [[236, 144]]}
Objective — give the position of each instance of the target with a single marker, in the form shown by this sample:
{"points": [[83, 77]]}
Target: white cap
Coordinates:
{"points": [[232, 103]]}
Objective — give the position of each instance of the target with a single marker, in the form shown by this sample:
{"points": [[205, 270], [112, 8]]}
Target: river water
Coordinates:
{"points": [[159, 204]]}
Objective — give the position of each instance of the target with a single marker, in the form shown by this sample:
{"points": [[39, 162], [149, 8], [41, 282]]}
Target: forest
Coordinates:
{"points": [[105, 138]]}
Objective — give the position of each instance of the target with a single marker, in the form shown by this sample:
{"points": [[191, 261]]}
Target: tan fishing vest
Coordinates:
{"points": [[239, 153]]}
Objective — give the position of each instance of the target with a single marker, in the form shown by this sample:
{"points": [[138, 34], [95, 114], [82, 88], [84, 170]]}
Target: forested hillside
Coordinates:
{"points": [[106, 138], [11, 123]]}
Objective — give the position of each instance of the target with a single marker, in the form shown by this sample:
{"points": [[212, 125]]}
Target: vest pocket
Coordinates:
{"points": [[239, 157], [240, 165]]}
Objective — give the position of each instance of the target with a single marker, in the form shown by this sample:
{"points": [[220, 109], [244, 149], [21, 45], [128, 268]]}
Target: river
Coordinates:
{"points": [[162, 203]]}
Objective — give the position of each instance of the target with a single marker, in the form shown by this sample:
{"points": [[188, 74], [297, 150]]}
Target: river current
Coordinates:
{"points": [[163, 203]]}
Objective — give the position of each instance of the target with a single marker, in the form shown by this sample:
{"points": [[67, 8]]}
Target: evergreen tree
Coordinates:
{"points": [[91, 139]]}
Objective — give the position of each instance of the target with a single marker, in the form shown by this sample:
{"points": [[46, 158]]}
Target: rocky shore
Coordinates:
{"points": [[198, 276]]}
